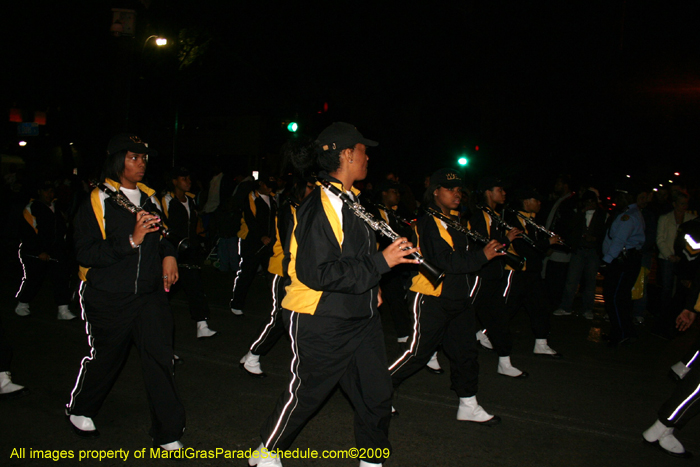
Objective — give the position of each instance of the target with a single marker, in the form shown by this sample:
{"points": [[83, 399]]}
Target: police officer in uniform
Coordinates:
{"points": [[622, 254]]}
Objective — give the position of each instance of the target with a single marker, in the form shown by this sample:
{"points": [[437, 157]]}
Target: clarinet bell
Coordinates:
{"points": [[434, 275], [515, 261]]}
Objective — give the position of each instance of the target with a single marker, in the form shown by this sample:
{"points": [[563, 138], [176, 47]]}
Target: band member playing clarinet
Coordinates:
{"points": [[330, 308], [527, 288], [126, 269], [491, 285], [442, 314]]}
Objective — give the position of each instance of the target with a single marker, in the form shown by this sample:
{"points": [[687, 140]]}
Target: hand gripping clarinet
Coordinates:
{"points": [[529, 221], [500, 221], [514, 261], [431, 272], [121, 199]]}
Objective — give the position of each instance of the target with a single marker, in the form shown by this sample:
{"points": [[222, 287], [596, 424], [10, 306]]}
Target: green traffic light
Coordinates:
{"points": [[292, 127], [463, 161]]}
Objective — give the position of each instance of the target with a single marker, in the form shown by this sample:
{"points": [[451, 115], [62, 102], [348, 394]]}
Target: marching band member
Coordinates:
{"points": [[256, 236], [274, 328], [527, 288], [43, 252], [490, 286], [330, 308], [442, 314], [126, 269], [180, 211]]}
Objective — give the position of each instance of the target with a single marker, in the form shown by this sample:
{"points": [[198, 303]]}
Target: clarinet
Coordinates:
{"points": [[514, 261], [500, 221], [433, 274], [393, 214], [529, 221], [121, 199]]}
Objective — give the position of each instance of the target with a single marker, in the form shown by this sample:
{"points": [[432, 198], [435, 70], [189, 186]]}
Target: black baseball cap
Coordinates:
{"points": [[340, 135], [446, 178], [179, 172], [488, 183], [130, 142]]}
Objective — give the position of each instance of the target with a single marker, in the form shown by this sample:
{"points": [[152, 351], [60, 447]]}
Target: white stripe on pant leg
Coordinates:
{"points": [[294, 366], [510, 275], [471, 294], [414, 339], [93, 353], [273, 314], [24, 271], [240, 265], [692, 360], [683, 404]]}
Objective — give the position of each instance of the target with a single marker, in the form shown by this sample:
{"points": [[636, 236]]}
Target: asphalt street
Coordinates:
{"points": [[587, 409]]}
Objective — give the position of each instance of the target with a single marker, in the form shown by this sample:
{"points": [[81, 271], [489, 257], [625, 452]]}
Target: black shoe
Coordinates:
{"points": [[85, 434], [439, 371], [254, 375]]}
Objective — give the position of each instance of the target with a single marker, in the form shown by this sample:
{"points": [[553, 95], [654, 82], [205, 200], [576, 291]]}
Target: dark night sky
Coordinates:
{"points": [[586, 87]]}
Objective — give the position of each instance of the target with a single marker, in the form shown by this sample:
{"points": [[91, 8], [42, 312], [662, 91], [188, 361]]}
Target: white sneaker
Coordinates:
{"points": [[174, 446], [680, 370], [236, 311], [8, 389], [542, 348], [203, 330], [588, 314], [483, 339], [251, 364], [562, 312], [263, 458], [434, 366], [22, 309], [507, 369], [64, 313], [82, 426], [667, 442], [470, 411]]}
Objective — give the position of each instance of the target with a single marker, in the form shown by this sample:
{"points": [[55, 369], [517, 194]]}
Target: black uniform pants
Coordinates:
{"points": [[35, 271], [329, 351], [193, 286], [394, 298], [250, 259], [490, 304], [274, 328], [527, 290], [112, 323], [5, 351], [684, 404], [620, 277], [441, 321]]}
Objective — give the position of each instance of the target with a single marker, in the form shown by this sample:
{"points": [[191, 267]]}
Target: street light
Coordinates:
{"points": [[160, 41]]}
